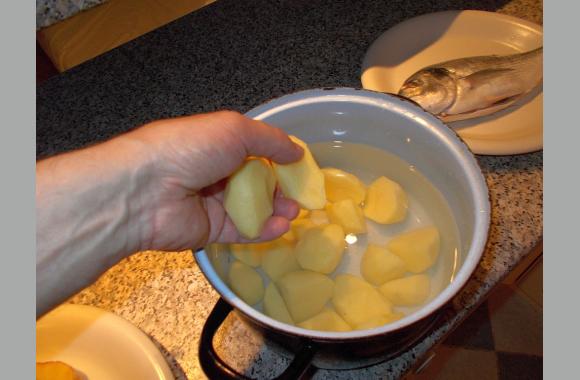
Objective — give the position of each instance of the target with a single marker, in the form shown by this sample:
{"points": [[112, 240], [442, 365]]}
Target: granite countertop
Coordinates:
{"points": [[236, 55]]}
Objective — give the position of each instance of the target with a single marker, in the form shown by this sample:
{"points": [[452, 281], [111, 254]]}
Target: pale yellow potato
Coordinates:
{"points": [[357, 301], [385, 202], [320, 249], [279, 259], [347, 214], [407, 291], [274, 305], [249, 196], [302, 181], [246, 282], [341, 185], [300, 226], [305, 293], [319, 217], [326, 320], [378, 265], [419, 248], [249, 253], [289, 235], [303, 213], [380, 320]]}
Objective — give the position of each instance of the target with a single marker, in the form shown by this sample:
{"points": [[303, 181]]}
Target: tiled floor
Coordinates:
{"points": [[501, 340]]}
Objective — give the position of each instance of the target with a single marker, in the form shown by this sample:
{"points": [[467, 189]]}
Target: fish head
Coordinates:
{"points": [[434, 89]]}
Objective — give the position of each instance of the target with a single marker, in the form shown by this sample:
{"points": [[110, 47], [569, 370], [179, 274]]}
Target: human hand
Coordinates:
{"points": [[187, 161]]}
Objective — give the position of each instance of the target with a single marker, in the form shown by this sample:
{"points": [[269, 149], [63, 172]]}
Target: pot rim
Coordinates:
{"points": [[459, 149]]}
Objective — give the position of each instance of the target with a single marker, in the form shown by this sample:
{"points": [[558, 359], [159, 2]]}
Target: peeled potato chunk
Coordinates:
{"points": [[380, 320], [408, 291], [250, 254], [319, 217], [305, 293], [419, 248], [349, 215], [279, 259], [246, 283], [303, 213], [249, 196], [326, 320], [357, 301], [289, 235], [385, 202], [302, 181], [320, 249], [341, 185], [274, 305], [379, 265], [300, 226]]}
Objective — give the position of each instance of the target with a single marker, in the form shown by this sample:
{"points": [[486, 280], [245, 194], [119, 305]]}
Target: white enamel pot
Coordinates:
{"points": [[399, 127]]}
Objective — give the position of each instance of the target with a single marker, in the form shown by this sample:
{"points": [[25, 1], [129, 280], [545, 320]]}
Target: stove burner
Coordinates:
{"points": [[305, 355]]}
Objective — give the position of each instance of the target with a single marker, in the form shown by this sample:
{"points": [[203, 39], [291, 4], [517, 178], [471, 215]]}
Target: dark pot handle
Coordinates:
{"points": [[215, 368]]}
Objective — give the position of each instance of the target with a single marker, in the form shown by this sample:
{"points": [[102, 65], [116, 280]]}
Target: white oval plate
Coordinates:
{"points": [[98, 344], [425, 40]]}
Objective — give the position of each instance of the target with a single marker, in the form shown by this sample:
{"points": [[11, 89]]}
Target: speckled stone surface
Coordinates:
{"points": [[49, 12], [236, 55]]}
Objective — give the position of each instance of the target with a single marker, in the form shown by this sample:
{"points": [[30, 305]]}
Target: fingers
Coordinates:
{"points": [[263, 140], [275, 227], [287, 208]]}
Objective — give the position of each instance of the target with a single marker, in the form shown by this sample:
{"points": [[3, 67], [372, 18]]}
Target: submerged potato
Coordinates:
{"points": [[408, 291], [326, 320], [357, 301], [305, 293], [302, 181], [379, 265], [279, 259], [380, 320], [385, 202], [320, 249], [319, 217], [249, 254], [249, 196], [246, 283], [274, 305], [348, 215], [341, 185], [419, 248], [300, 226]]}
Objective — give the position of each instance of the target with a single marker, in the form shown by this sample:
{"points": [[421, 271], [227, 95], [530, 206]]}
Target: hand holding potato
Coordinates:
{"points": [[157, 187]]}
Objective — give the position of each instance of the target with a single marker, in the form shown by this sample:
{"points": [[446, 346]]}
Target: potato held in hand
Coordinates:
{"points": [[379, 265], [341, 185], [305, 293], [419, 248], [386, 202], [320, 249], [408, 291], [249, 197], [246, 283], [302, 181], [357, 301]]}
